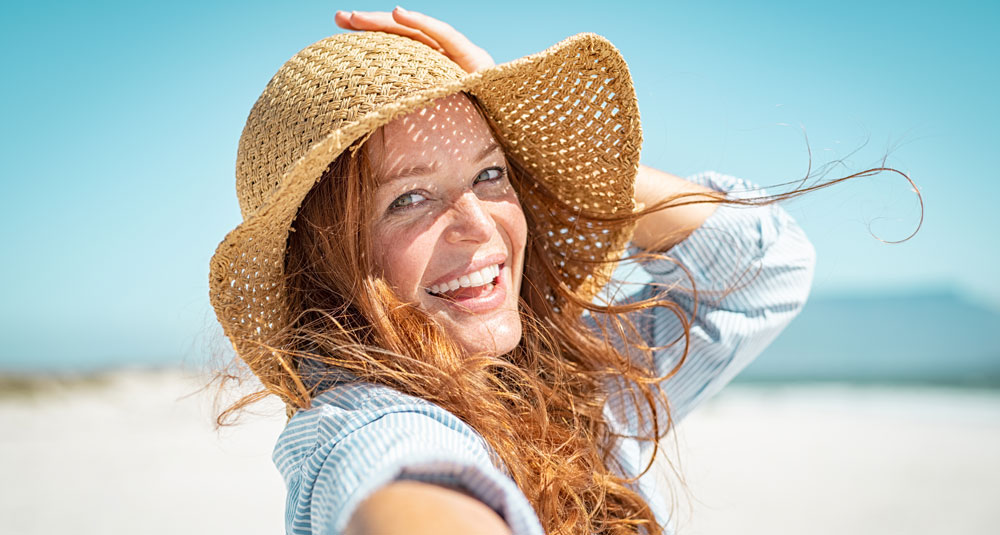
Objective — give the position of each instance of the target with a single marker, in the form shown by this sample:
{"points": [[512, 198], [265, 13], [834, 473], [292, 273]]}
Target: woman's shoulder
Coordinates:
{"points": [[342, 410], [353, 397], [358, 437]]}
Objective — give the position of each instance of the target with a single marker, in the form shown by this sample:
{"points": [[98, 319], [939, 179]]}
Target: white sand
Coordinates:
{"points": [[843, 461], [135, 456]]}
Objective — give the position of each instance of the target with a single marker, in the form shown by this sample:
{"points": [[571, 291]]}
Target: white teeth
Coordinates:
{"points": [[477, 278]]}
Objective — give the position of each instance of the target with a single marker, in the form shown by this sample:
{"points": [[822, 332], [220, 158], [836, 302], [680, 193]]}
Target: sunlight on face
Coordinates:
{"points": [[448, 230]]}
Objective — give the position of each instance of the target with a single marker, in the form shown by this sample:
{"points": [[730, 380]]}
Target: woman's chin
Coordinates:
{"points": [[497, 335]]}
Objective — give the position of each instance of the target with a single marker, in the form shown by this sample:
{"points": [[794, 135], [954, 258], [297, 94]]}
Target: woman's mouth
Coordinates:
{"points": [[478, 292], [471, 285]]}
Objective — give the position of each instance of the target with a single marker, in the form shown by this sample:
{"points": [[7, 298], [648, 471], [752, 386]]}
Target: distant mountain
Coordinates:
{"points": [[937, 337]]}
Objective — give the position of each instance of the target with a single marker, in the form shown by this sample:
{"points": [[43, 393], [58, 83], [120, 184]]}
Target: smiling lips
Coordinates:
{"points": [[469, 285]]}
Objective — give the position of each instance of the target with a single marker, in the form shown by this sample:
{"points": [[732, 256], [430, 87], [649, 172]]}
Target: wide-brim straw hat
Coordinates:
{"points": [[567, 114]]}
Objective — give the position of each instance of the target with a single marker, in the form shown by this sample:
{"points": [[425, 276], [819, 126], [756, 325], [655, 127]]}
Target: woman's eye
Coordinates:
{"points": [[406, 200], [490, 175]]}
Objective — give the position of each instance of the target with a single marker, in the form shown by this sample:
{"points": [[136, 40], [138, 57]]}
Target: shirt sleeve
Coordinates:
{"points": [[752, 268], [362, 443]]}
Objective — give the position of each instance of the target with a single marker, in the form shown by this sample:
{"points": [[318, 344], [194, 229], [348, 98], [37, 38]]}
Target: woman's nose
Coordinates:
{"points": [[470, 220]]}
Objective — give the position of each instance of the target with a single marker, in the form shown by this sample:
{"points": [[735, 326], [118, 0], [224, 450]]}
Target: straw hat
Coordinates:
{"points": [[568, 114]]}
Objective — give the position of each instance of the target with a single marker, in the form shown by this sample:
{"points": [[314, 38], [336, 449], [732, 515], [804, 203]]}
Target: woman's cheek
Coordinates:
{"points": [[398, 255]]}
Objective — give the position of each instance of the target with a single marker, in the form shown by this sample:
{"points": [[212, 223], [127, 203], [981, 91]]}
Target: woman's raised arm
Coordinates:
{"points": [[663, 229]]}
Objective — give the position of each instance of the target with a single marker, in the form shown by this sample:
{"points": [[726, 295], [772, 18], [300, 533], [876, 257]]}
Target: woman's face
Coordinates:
{"points": [[448, 230]]}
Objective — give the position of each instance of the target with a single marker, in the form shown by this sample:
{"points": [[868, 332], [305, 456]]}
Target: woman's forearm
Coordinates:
{"points": [[663, 229], [419, 508]]}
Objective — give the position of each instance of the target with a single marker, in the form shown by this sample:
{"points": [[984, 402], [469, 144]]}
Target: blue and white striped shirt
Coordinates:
{"points": [[358, 437]]}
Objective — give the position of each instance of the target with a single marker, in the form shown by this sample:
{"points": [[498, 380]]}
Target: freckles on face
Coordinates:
{"points": [[404, 249], [448, 231]]}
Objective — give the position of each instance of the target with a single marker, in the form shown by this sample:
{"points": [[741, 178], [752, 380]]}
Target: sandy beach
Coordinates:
{"points": [[135, 452]]}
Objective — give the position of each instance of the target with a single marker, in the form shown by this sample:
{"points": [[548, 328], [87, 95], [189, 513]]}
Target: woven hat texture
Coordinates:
{"points": [[568, 114]]}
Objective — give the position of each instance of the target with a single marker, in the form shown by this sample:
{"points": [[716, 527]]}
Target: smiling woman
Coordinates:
{"points": [[449, 234], [418, 273]]}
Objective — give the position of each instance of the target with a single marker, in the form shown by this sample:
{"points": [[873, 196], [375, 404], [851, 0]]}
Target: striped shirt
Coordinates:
{"points": [[357, 437]]}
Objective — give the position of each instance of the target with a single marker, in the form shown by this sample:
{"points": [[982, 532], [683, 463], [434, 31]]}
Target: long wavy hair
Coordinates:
{"points": [[539, 407]]}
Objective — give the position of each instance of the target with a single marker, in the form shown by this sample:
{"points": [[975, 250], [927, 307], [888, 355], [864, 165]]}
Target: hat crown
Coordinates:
{"points": [[325, 88]]}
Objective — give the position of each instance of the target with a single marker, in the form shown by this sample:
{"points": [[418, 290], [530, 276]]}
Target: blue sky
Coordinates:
{"points": [[121, 121]]}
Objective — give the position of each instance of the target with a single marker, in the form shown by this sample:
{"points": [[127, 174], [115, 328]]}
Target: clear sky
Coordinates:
{"points": [[121, 119]]}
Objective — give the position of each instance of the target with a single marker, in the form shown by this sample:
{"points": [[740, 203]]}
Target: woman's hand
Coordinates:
{"points": [[428, 30]]}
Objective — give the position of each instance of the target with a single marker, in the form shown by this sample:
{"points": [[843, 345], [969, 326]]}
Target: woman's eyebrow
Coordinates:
{"points": [[424, 169], [490, 149], [406, 172]]}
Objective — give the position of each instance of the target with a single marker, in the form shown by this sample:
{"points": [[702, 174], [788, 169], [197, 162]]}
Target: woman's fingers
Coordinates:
{"points": [[455, 45], [380, 21], [428, 30], [343, 19]]}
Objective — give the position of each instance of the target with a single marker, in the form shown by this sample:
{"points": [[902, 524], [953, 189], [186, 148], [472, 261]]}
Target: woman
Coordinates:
{"points": [[420, 276]]}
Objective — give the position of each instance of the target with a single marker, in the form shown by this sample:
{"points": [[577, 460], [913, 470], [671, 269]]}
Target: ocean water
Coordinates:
{"points": [[928, 338]]}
